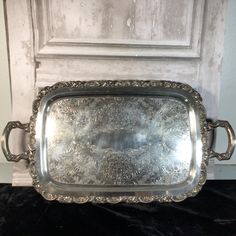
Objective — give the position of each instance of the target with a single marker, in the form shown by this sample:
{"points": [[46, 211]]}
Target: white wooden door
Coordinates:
{"points": [[61, 40]]}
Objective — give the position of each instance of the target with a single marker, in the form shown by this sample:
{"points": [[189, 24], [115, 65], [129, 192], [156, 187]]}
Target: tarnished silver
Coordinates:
{"points": [[231, 140], [5, 144], [112, 141]]}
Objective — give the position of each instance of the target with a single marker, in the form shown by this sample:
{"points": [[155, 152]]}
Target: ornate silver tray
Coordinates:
{"points": [[112, 141]]}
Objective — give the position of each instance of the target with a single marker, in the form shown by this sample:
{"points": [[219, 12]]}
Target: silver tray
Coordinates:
{"points": [[112, 141]]}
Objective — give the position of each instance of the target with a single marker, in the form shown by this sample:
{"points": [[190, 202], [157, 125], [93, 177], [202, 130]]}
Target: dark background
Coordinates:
{"points": [[212, 212]]}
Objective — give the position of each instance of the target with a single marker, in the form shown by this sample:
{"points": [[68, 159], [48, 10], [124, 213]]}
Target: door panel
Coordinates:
{"points": [[152, 28]]}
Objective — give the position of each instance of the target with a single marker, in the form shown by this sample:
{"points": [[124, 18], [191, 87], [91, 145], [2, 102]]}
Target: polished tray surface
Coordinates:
{"points": [[118, 140]]}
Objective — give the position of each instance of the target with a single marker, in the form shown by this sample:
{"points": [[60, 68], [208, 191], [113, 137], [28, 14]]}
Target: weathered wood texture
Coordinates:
{"points": [[22, 73], [52, 40], [152, 28]]}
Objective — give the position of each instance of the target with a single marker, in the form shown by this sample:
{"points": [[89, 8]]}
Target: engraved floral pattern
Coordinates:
{"points": [[119, 140], [142, 197]]}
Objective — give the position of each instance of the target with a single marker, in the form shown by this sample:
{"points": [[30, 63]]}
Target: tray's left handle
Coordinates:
{"points": [[231, 139], [5, 141]]}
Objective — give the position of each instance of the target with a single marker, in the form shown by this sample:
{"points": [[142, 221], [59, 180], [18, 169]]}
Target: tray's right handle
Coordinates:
{"points": [[231, 139], [5, 141]]}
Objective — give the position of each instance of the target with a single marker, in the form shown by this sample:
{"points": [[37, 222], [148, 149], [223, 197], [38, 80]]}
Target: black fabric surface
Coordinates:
{"points": [[212, 212]]}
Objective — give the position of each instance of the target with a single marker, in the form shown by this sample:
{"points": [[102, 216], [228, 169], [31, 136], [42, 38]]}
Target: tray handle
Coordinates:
{"points": [[231, 139], [5, 141]]}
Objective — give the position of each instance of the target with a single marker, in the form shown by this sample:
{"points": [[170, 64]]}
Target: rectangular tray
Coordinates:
{"points": [[112, 141]]}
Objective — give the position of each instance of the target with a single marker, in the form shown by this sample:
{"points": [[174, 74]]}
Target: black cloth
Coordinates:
{"points": [[212, 212]]}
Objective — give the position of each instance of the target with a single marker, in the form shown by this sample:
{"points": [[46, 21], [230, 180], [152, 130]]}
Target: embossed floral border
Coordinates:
{"points": [[119, 84]]}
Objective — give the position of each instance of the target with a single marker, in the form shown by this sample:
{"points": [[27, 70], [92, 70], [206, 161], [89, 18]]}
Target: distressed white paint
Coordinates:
{"points": [[66, 51], [116, 69], [5, 98], [227, 92], [140, 20], [212, 55], [153, 28], [22, 73]]}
